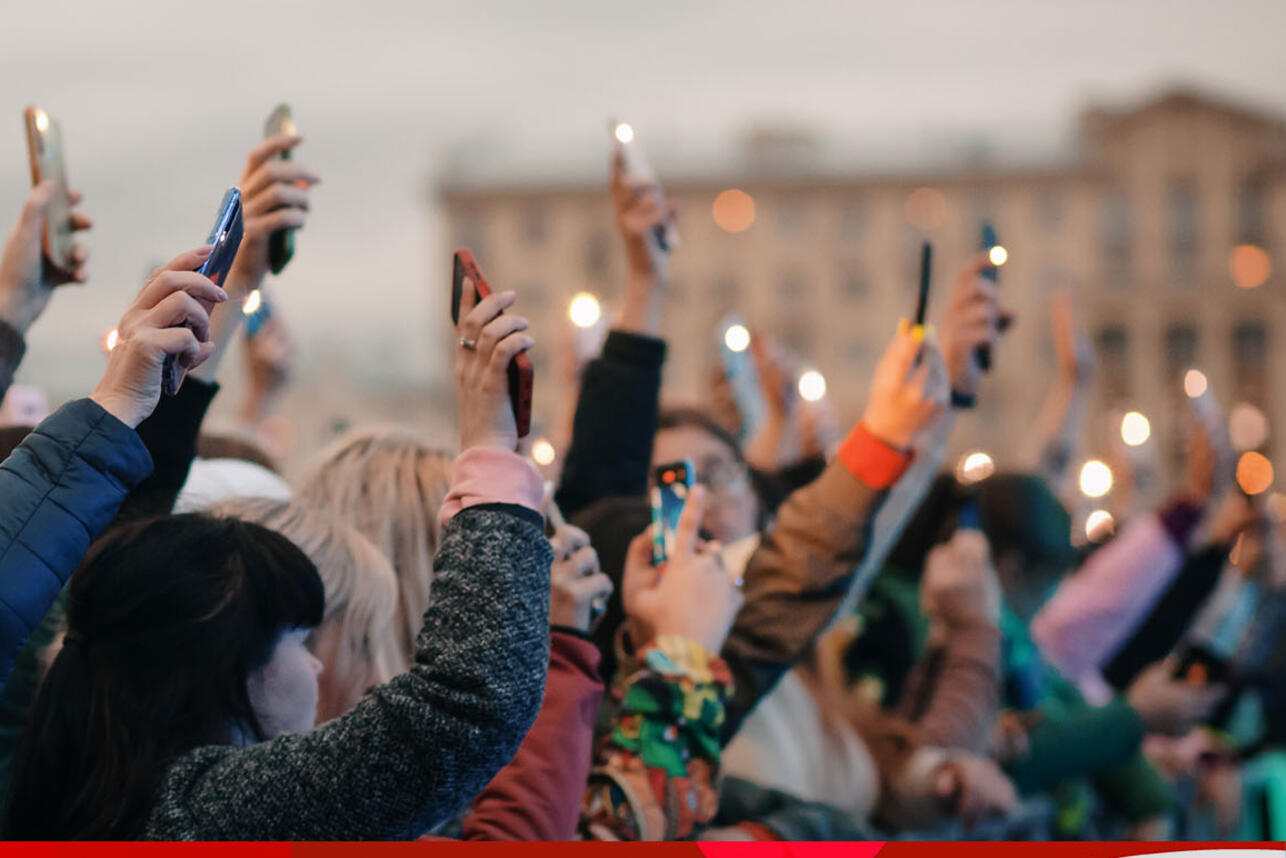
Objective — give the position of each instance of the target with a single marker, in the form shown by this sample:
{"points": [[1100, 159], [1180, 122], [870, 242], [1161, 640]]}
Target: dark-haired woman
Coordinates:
{"points": [[206, 620]]}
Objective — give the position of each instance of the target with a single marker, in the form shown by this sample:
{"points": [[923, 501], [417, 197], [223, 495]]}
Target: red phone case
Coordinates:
{"points": [[521, 374]]}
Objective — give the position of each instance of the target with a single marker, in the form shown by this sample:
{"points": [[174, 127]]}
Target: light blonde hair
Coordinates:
{"points": [[389, 484], [361, 589]]}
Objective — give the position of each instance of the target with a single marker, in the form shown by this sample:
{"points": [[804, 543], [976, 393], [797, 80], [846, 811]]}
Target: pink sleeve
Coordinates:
{"points": [[1096, 609], [484, 475], [538, 795]]}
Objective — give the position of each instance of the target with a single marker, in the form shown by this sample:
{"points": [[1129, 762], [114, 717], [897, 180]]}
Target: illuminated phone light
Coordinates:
{"points": [[1247, 427], [584, 310], [110, 339], [812, 385], [1099, 525], [974, 467], [667, 477], [42, 121], [1254, 473], [624, 132], [998, 256], [736, 338], [1096, 479], [543, 452], [252, 303], [1135, 429], [1194, 383]]}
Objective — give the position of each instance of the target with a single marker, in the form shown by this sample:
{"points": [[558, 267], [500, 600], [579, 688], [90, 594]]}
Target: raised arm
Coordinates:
{"points": [[415, 750], [26, 281], [619, 402], [63, 485]]}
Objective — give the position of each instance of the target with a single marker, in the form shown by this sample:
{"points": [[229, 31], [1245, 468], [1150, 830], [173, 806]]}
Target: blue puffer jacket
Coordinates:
{"points": [[58, 490]]}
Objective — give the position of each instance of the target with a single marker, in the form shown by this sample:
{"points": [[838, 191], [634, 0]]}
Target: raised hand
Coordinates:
{"points": [[576, 579], [908, 390], [167, 318], [691, 596], [26, 281], [973, 318], [488, 340], [960, 585], [274, 195]]}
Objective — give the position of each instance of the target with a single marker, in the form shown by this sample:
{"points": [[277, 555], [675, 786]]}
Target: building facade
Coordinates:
{"points": [[1163, 206]]}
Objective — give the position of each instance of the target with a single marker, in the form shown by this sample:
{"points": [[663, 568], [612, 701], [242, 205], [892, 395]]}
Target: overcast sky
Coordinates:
{"points": [[160, 100]]}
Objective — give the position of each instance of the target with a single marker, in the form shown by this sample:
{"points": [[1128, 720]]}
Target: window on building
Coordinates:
{"points": [[1050, 209], [792, 218], [534, 224], [1116, 223], [1250, 361], [1180, 350], [854, 287], [1183, 230], [1250, 212], [852, 219], [791, 289], [598, 255], [1113, 347]]}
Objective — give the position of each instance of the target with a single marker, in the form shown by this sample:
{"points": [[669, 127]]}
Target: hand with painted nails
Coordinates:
{"points": [[494, 338], [908, 390], [274, 195], [26, 280], [168, 317]]}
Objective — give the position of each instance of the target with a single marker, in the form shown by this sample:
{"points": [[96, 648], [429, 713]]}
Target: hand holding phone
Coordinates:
{"points": [[636, 172], [225, 239], [520, 372], [45, 150], [671, 485], [281, 244], [487, 335]]}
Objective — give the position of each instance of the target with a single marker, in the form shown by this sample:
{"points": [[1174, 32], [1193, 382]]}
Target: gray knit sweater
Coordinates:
{"points": [[415, 750]]}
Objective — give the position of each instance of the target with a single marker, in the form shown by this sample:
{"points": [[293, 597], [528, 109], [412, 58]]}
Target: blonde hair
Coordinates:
{"points": [[389, 484], [361, 589]]}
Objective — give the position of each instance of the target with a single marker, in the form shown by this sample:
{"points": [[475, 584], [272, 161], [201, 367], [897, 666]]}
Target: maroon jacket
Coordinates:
{"points": [[538, 795]]}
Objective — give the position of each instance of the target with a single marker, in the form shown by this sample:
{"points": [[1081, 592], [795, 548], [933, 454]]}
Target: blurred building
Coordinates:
{"points": [[1166, 221]]}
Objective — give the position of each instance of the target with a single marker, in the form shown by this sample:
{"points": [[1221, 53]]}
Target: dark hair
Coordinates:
{"points": [[213, 446], [166, 620], [1018, 512], [678, 418]]}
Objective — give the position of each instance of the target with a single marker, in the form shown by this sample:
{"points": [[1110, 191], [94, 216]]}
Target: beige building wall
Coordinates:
{"points": [[1139, 228]]}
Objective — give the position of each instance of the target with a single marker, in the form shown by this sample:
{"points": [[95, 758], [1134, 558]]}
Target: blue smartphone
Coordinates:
{"points": [[743, 376], [968, 516], [671, 486], [225, 235], [989, 272]]}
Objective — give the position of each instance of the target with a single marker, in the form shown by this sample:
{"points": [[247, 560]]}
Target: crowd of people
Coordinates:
{"points": [[411, 641]]}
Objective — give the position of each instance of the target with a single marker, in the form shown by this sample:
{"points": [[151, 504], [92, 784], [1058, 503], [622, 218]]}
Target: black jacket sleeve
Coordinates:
{"points": [[170, 435], [12, 348], [616, 416]]}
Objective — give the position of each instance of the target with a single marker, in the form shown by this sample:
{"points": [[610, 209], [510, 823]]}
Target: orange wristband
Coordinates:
{"points": [[872, 461]]}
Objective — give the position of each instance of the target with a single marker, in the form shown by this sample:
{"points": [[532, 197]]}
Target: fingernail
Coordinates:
{"points": [[222, 296], [206, 251], [903, 325]]}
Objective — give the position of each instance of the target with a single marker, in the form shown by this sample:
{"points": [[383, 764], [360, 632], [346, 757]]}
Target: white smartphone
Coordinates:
{"points": [[638, 169]]}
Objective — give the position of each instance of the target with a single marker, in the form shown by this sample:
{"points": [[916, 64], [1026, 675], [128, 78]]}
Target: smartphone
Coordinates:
{"points": [[637, 169], [743, 376], [281, 244], [671, 485], [256, 320], [45, 150], [520, 369], [225, 235], [926, 271], [989, 272]]}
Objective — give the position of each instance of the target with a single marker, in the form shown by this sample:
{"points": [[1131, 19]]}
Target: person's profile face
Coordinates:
{"points": [[732, 510], [284, 691]]}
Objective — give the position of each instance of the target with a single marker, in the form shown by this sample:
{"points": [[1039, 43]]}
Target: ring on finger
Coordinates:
{"points": [[468, 344]]}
